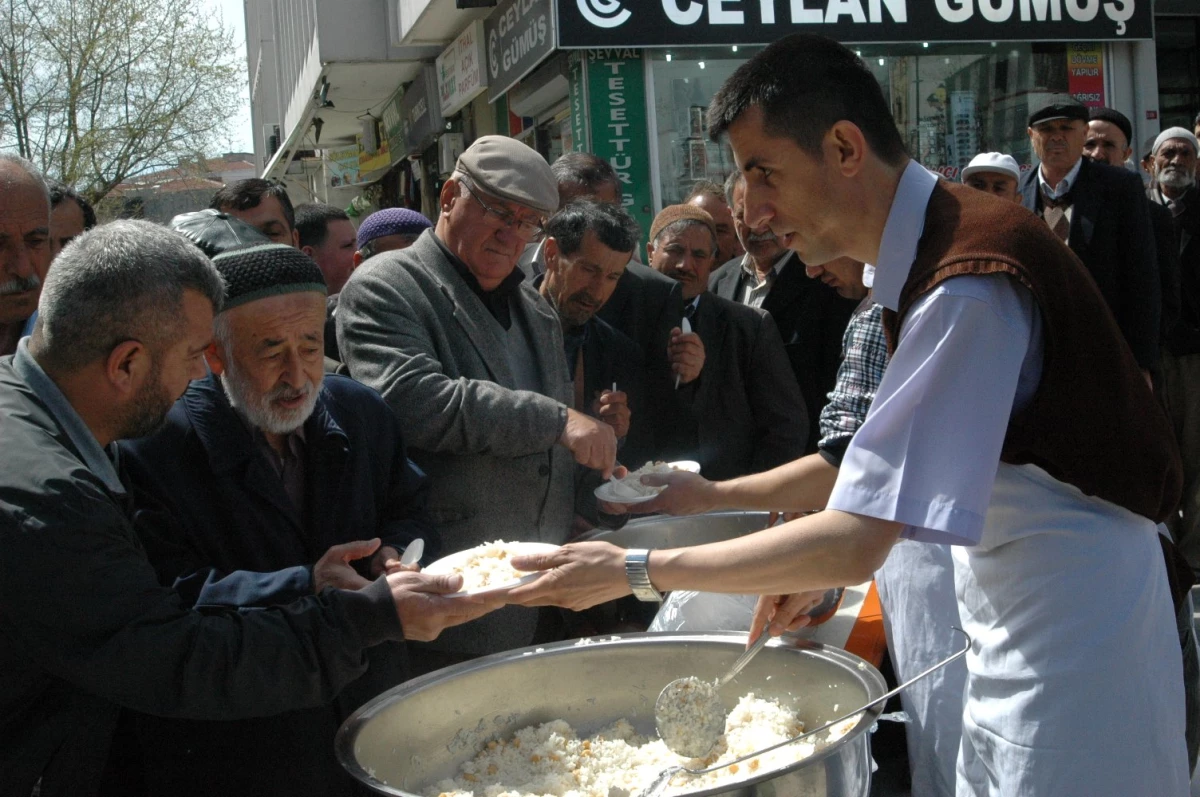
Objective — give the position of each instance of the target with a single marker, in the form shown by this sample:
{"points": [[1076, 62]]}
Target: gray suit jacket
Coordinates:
{"points": [[411, 328]]}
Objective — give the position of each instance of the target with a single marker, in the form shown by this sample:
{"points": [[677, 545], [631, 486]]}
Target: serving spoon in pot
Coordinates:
{"points": [[663, 779], [689, 714]]}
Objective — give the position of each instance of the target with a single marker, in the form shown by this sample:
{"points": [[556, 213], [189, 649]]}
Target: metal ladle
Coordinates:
{"points": [[663, 779], [701, 728]]}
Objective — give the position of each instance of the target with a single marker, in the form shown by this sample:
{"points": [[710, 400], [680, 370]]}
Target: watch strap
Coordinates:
{"points": [[637, 562]]}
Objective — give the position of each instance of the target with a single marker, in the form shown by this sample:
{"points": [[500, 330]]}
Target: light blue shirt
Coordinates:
{"points": [[968, 354], [1059, 191], [94, 457]]}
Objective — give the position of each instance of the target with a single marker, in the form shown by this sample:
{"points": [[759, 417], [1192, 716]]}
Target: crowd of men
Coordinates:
{"points": [[220, 434]]}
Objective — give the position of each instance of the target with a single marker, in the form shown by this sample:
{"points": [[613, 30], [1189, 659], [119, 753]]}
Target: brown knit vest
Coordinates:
{"points": [[1093, 422]]}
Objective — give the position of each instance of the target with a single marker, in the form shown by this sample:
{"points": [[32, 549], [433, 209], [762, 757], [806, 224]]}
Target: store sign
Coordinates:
{"points": [[616, 92], [368, 162], [460, 70], [674, 23], [419, 112], [1085, 73], [577, 99], [392, 127], [342, 166], [518, 34]]}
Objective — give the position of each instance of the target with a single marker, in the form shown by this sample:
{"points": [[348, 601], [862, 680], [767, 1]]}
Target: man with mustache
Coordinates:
{"points": [[646, 306], [744, 413], [1174, 163], [588, 245], [266, 484], [24, 246], [810, 316], [710, 197], [70, 216], [1098, 211]]}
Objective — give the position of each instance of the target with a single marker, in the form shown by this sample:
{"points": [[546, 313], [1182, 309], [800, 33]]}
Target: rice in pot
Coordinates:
{"points": [[550, 760]]}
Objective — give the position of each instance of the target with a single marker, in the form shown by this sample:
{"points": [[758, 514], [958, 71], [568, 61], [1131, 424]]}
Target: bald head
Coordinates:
{"points": [[24, 238]]}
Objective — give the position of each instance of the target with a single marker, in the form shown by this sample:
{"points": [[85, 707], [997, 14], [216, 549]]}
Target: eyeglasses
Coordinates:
{"points": [[526, 230]]}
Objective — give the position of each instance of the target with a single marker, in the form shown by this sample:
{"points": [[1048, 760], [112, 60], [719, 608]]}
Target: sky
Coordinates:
{"points": [[241, 138]]}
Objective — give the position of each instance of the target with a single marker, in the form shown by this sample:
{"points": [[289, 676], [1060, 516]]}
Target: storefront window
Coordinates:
{"points": [[1178, 69], [950, 102]]}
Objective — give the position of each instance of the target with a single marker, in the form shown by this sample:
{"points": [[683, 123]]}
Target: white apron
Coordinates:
{"points": [[1075, 684], [916, 591]]}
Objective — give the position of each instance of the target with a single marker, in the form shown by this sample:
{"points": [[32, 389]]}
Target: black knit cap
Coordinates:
{"points": [[271, 269], [1114, 117]]}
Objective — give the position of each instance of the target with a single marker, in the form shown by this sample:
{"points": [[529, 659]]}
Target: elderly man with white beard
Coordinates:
{"points": [[1175, 155], [259, 489]]}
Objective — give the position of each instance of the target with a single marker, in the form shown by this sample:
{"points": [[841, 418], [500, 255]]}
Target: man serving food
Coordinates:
{"points": [[999, 427]]}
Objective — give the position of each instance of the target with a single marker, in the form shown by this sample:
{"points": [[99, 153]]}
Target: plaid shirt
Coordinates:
{"points": [[864, 356]]}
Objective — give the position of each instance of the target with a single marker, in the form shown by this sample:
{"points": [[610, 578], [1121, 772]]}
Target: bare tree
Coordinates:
{"points": [[99, 91]]}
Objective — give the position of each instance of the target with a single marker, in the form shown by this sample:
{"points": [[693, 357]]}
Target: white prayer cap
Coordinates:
{"points": [[993, 162], [1175, 132]]}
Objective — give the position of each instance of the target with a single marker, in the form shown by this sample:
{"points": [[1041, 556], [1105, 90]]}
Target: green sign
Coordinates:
{"points": [[501, 107], [392, 126], [616, 106], [577, 98]]}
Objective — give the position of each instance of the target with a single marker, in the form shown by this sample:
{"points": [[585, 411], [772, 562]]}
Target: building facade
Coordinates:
{"points": [[630, 80]]}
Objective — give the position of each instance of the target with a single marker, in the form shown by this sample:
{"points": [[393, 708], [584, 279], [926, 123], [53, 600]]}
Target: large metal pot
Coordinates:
{"points": [[407, 739], [664, 531]]}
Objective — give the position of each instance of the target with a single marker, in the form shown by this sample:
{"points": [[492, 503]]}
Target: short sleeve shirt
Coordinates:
{"points": [[969, 353]]}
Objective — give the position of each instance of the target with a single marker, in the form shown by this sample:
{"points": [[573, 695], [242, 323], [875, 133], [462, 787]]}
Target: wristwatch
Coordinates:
{"points": [[637, 561]]}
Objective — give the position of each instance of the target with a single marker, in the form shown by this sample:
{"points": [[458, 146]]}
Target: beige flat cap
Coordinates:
{"points": [[506, 168]]}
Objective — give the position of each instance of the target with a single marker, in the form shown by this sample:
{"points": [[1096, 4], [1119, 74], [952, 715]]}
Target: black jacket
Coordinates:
{"points": [[610, 357], [1184, 338], [1166, 248], [744, 413], [217, 524], [85, 625], [1111, 232], [812, 320]]}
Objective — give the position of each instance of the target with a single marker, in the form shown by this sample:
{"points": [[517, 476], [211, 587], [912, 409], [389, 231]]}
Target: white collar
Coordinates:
{"points": [[902, 233], [1060, 190], [748, 264]]}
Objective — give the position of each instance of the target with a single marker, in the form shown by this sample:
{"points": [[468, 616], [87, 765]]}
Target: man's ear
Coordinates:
{"points": [[358, 258], [127, 366], [649, 252], [296, 240], [448, 195], [214, 358], [849, 146], [308, 250], [550, 254]]}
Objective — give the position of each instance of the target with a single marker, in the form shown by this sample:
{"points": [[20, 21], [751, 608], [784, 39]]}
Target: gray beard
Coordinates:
{"points": [[258, 409], [1177, 179]]}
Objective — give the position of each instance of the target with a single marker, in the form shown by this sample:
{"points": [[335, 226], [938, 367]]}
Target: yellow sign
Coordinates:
{"points": [[380, 160]]}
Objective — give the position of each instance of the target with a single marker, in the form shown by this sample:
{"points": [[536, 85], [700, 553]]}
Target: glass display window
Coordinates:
{"points": [[950, 101]]}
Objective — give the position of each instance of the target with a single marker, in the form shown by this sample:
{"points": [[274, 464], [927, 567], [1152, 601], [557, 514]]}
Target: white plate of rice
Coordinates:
{"points": [[630, 489], [485, 568]]}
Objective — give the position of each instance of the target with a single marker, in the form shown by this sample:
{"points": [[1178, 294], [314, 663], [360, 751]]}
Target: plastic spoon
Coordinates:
{"points": [[686, 326], [412, 552]]}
